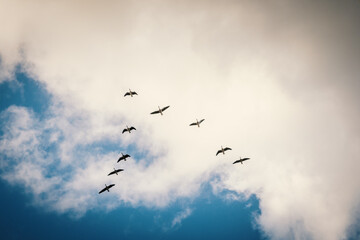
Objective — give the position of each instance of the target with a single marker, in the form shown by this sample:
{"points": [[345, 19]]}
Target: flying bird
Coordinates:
{"points": [[106, 188], [197, 122], [241, 160], [123, 157], [130, 93], [160, 110], [115, 171], [222, 150], [127, 129]]}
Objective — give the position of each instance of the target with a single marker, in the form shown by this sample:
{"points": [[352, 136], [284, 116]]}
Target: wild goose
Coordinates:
{"points": [[241, 160], [197, 123], [130, 93], [123, 157], [115, 171], [222, 150], [127, 129], [106, 188], [160, 110]]}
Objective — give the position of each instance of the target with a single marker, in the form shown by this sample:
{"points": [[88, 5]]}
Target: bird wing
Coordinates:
{"points": [[244, 159], [127, 94], [201, 120], [165, 108], [193, 124], [132, 128], [218, 152], [123, 157], [155, 112], [111, 185], [125, 129], [111, 173], [134, 93], [104, 189], [236, 161], [227, 148]]}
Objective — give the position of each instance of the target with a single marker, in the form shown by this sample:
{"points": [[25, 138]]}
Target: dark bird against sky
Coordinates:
{"points": [[160, 110], [106, 188], [130, 93], [197, 122], [115, 171], [241, 160], [222, 150], [123, 157], [127, 129]]}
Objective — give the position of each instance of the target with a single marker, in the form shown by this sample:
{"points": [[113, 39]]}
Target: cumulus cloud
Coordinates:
{"points": [[276, 81]]}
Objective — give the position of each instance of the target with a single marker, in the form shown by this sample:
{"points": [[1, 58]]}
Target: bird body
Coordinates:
{"points": [[115, 171], [128, 129], [197, 123], [130, 93], [241, 160], [123, 157], [222, 150], [106, 188], [160, 110]]}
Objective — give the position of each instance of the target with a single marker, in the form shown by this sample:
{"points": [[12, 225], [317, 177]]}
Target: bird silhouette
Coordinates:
{"points": [[241, 160], [123, 157], [160, 110], [106, 188], [130, 93], [127, 129], [197, 123], [222, 150], [115, 171]]}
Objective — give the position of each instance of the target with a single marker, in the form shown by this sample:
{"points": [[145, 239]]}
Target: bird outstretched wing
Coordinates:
{"points": [[218, 152], [132, 128], [127, 94], [193, 124], [125, 130], [163, 109], [123, 157], [201, 120], [155, 112], [107, 188], [241, 160], [115, 171], [227, 148], [134, 93]]}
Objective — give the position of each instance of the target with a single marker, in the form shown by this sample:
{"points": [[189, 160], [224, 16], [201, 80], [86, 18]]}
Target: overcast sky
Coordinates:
{"points": [[277, 81]]}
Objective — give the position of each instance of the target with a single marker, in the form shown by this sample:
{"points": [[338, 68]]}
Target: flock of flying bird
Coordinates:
{"points": [[129, 129]]}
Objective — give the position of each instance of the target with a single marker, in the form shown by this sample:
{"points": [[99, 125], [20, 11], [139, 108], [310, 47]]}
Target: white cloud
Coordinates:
{"points": [[180, 217], [277, 82]]}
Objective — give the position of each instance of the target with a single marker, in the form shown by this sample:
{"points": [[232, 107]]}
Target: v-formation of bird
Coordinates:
{"points": [[129, 129]]}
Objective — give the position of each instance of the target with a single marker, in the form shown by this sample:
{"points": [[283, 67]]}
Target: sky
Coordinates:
{"points": [[277, 81]]}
